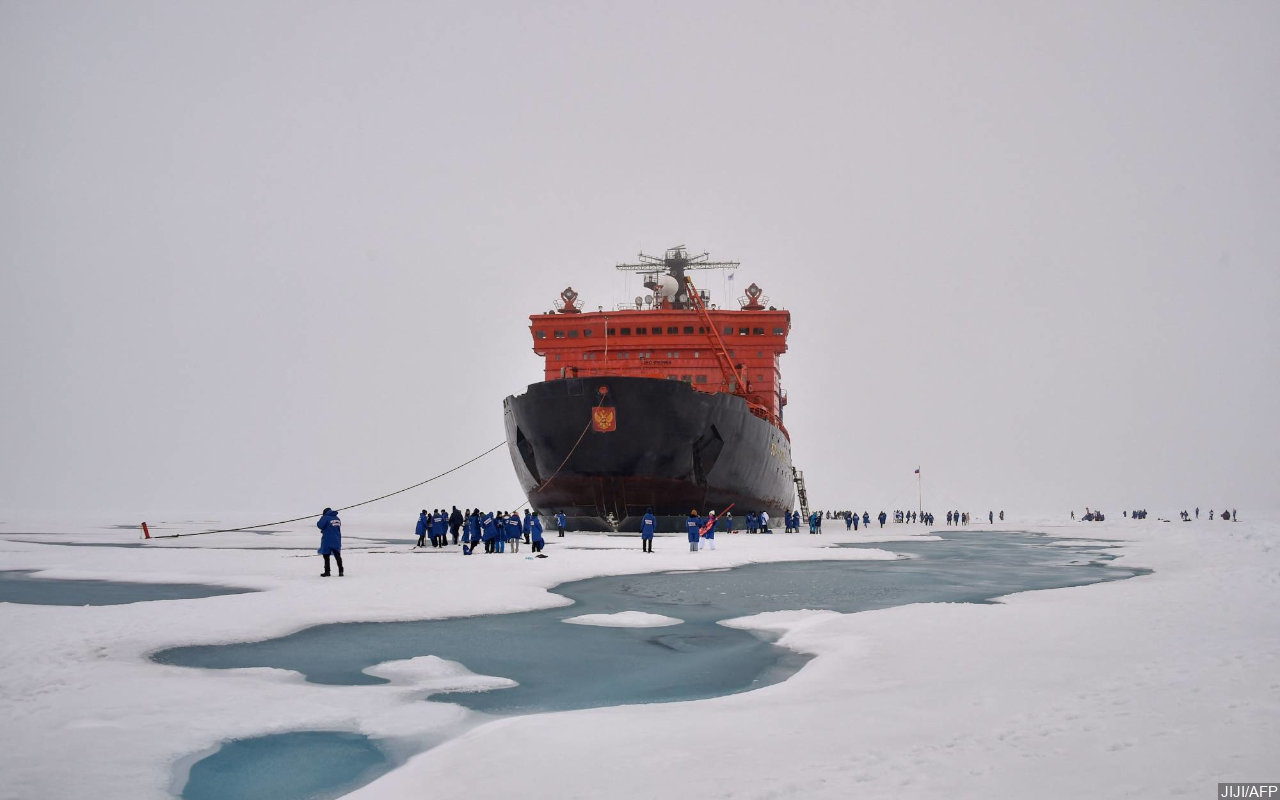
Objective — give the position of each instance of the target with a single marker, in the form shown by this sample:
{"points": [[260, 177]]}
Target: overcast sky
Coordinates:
{"points": [[276, 256]]}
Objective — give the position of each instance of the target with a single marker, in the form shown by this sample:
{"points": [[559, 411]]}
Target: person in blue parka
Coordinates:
{"points": [[515, 528], [330, 540], [420, 530], [535, 531], [489, 532], [708, 531], [561, 522], [648, 525], [848, 521], [691, 526]]}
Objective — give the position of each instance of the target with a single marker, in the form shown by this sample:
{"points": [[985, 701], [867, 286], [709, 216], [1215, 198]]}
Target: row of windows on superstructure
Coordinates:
{"points": [[590, 355], [673, 330]]}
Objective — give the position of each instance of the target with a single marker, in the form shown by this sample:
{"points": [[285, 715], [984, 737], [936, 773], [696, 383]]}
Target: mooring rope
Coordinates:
{"points": [[344, 508], [547, 482]]}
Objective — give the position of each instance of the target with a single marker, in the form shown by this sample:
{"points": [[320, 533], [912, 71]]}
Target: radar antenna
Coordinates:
{"points": [[674, 263]]}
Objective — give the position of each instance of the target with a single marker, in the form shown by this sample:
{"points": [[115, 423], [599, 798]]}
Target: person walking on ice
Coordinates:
{"points": [[691, 526], [330, 540], [535, 530]]}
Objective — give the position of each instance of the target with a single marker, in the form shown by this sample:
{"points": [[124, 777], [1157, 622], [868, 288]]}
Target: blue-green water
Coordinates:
{"points": [[558, 666], [306, 764], [20, 586]]}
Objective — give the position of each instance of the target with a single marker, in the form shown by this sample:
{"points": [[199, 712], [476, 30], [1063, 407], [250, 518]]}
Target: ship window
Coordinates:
{"points": [[687, 378], [673, 377], [589, 356], [695, 353], [759, 354], [642, 331], [701, 329], [625, 331], [673, 329], [728, 331], [587, 332], [757, 331], [743, 331], [573, 334], [559, 356], [540, 334], [778, 331], [559, 334], [688, 329], [611, 332], [702, 379]]}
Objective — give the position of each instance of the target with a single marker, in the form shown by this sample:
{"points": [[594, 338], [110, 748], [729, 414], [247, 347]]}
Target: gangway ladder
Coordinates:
{"points": [[800, 492]]}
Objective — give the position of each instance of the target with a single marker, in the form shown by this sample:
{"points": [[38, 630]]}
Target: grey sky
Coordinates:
{"points": [[280, 256]]}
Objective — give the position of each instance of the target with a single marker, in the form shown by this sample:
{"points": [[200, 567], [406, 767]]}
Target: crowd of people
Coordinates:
{"points": [[1095, 515], [503, 532]]}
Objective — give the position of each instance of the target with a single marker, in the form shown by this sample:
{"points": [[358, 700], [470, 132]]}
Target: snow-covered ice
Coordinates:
{"points": [[625, 619], [1161, 685]]}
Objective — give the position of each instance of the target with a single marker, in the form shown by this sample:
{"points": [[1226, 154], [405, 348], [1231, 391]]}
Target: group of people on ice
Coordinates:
{"points": [[498, 532]]}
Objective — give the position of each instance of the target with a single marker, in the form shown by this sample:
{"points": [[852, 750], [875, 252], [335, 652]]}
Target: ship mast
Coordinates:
{"points": [[673, 264]]}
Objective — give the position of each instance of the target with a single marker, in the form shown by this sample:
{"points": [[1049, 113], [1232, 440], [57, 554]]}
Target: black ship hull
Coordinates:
{"points": [[672, 448]]}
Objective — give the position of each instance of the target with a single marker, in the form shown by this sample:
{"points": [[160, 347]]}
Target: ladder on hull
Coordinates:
{"points": [[800, 492]]}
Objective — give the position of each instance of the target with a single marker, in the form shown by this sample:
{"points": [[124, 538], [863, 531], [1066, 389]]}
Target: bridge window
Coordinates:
{"points": [[743, 331], [702, 379], [559, 334], [757, 331], [687, 378], [642, 331], [778, 331], [625, 331], [540, 334], [612, 332], [587, 332], [673, 330], [728, 331], [688, 329], [573, 334]]}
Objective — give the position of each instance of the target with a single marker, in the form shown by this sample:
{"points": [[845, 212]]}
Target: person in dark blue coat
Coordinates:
{"points": [[489, 532], [514, 529], [330, 540], [561, 522], [648, 525], [526, 524], [440, 528], [708, 530], [691, 526], [421, 529], [455, 522], [535, 531], [848, 521]]}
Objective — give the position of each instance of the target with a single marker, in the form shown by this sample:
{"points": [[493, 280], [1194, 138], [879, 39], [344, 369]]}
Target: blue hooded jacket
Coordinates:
{"points": [[330, 533], [648, 525], [514, 527], [421, 528], [535, 529], [490, 530], [692, 524]]}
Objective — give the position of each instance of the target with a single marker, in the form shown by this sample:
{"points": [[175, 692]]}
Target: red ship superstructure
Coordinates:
{"points": [[648, 446]]}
